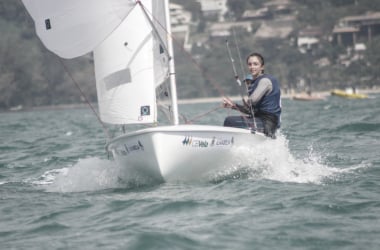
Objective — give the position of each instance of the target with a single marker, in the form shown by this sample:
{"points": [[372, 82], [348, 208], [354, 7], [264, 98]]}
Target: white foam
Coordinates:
{"points": [[273, 160], [89, 174]]}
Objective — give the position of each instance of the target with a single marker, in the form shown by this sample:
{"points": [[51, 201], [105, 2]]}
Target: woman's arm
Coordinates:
{"points": [[245, 108], [263, 87]]}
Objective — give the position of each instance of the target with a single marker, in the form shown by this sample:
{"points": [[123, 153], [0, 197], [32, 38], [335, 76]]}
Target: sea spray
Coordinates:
{"points": [[270, 160], [90, 174], [273, 160]]}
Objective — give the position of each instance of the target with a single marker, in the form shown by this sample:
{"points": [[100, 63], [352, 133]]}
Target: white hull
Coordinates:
{"points": [[182, 152]]}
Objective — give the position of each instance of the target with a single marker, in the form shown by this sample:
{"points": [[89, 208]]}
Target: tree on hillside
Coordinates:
{"points": [[12, 10], [18, 64], [237, 6], [373, 56]]}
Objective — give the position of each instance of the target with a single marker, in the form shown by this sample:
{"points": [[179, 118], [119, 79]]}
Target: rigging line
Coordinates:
{"points": [[243, 114], [201, 115], [233, 64], [178, 44], [208, 78], [105, 130], [234, 69], [246, 85], [144, 10], [239, 55]]}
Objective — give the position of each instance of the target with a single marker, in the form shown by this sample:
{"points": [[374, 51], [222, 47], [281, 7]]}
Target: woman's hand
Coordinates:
{"points": [[227, 103]]}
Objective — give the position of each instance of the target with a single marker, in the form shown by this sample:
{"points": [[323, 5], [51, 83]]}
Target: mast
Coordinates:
{"points": [[173, 86]]}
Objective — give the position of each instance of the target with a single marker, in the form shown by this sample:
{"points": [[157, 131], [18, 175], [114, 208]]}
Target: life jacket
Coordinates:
{"points": [[269, 103]]}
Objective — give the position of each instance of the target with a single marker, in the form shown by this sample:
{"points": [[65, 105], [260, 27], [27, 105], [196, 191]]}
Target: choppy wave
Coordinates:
{"points": [[320, 176], [358, 127], [90, 174]]}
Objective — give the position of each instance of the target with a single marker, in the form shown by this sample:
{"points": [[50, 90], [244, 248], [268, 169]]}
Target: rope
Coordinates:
{"points": [[233, 64], [242, 69], [105, 130], [202, 115], [239, 55], [177, 43], [208, 78]]}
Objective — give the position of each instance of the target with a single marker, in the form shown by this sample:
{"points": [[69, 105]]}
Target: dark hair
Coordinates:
{"points": [[261, 58]]}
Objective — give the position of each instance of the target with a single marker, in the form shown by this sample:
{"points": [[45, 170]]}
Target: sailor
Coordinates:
{"points": [[262, 109]]}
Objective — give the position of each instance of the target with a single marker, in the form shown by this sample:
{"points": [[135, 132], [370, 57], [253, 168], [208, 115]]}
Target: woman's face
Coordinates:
{"points": [[255, 67]]}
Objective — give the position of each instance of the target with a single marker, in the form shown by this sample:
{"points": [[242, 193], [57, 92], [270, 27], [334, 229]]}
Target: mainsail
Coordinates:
{"points": [[129, 42], [129, 65]]}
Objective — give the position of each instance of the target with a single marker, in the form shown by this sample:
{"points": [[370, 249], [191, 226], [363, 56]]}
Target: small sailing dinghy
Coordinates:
{"points": [[133, 55]]}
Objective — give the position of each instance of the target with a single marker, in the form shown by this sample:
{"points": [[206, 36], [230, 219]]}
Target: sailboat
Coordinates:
{"points": [[133, 55]]}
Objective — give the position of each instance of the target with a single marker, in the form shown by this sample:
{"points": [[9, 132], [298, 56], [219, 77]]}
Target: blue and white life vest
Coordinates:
{"points": [[271, 102]]}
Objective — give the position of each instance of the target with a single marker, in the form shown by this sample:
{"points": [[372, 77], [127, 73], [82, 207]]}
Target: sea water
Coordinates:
{"points": [[315, 187]]}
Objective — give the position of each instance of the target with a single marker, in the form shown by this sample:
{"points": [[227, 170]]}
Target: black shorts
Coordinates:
{"points": [[263, 123]]}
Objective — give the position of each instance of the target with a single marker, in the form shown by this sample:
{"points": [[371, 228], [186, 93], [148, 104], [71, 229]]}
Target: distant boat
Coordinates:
{"points": [[16, 108], [308, 97], [348, 93]]}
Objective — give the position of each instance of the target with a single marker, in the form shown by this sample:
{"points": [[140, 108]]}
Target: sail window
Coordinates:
{"points": [[47, 24], [145, 110], [118, 78]]}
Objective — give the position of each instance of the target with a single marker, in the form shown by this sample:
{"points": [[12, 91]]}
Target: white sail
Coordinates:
{"points": [[130, 56], [71, 28], [129, 65]]}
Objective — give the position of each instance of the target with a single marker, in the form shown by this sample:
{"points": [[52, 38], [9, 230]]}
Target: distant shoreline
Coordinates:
{"points": [[181, 101], [284, 96]]}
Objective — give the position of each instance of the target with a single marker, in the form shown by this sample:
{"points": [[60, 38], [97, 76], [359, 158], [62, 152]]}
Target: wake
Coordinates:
{"points": [[272, 160]]}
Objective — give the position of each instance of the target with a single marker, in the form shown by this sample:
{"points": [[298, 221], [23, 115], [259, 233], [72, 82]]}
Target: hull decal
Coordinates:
{"points": [[204, 143]]}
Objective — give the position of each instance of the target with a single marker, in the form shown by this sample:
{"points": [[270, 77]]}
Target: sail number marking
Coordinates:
{"points": [[205, 143]]}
